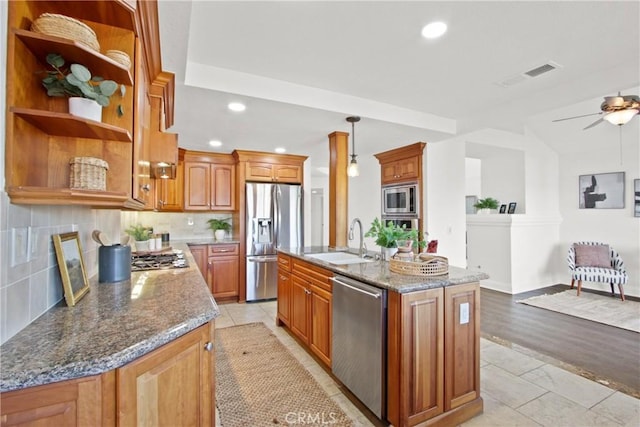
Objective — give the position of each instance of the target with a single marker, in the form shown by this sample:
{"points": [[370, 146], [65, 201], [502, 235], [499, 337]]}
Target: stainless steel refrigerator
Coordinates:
{"points": [[274, 220]]}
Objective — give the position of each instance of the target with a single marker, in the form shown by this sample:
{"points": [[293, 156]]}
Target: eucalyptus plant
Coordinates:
{"points": [[219, 224], [78, 81], [487, 203], [139, 232]]}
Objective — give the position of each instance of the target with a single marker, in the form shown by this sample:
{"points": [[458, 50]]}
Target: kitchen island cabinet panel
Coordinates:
{"points": [[174, 385], [199, 253], [85, 401], [300, 308], [284, 298], [320, 335], [462, 344]]}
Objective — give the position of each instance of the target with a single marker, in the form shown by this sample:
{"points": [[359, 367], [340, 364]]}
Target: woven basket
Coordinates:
{"points": [[119, 56], [431, 266], [53, 24], [88, 173]]}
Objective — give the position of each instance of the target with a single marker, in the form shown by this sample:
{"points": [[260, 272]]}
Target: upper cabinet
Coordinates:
{"points": [[401, 164], [266, 167], [42, 137], [209, 182]]}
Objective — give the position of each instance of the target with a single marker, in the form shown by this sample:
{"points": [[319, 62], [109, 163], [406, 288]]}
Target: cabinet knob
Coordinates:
{"points": [[145, 187], [208, 346], [307, 291]]}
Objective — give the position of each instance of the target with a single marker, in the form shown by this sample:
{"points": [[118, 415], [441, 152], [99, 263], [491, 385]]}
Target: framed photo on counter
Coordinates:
{"points": [[503, 208], [71, 264], [512, 207]]}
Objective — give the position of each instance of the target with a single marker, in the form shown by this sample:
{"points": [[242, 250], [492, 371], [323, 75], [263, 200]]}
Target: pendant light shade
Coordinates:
{"points": [[352, 170], [620, 117]]}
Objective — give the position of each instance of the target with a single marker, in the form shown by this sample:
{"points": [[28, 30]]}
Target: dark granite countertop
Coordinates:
{"points": [[377, 272], [112, 325]]}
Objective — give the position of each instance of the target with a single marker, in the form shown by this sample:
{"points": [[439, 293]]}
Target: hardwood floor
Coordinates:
{"points": [[597, 351]]}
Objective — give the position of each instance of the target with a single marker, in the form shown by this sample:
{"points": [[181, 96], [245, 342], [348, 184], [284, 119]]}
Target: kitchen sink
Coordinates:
{"points": [[339, 258]]}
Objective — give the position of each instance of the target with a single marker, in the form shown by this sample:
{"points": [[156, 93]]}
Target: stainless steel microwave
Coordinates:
{"points": [[401, 200]]}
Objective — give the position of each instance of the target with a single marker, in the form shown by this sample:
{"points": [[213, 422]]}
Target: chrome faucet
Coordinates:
{"points": [[361, 248]]}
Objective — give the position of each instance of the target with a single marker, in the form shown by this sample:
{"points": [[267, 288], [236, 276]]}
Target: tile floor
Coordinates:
{"points": [[517, 389]]}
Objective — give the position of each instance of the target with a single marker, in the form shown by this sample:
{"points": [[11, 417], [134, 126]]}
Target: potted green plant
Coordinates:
{"points": [[485, 205], [140, 235], [388, 235], [219, 227], [84, 90]]}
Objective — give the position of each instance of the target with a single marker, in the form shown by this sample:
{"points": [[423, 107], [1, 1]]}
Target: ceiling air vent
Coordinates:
{"points": [[522, 77], [540, 70]]}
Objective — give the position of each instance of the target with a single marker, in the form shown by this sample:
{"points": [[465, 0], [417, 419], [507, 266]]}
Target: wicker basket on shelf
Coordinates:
{"points": [[119, 56], [53, 24], [431, 265], [88, 173]]}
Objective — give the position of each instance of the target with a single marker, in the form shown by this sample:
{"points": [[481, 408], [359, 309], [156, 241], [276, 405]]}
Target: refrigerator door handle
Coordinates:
{"points": [[276, 216], [262, 259]]}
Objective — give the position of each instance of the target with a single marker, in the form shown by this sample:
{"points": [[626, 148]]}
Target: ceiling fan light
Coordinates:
{"points": [[620, 117]]}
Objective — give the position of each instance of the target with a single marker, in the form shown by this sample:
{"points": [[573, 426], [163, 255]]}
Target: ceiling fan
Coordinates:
{"points": [[617, 110]]}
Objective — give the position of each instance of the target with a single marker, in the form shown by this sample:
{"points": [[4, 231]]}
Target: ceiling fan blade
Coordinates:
{"points": [[597, 122], [576, 117]]}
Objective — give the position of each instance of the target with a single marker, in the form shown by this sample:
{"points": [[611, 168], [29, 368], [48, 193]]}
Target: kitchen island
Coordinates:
{"points": [[431, 337], [115, 348]]}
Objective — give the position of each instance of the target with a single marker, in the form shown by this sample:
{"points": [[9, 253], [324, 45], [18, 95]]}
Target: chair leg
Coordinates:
{"points": [[621, 291], [612, 292], [572, 280], [579, 287]]}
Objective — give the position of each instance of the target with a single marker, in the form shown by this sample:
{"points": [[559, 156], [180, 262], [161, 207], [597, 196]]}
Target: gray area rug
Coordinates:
{"points": [[260, 383], [598, 308]]}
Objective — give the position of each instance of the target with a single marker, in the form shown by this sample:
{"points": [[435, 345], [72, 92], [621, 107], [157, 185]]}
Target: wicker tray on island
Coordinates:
{"points": [[422, 265]]}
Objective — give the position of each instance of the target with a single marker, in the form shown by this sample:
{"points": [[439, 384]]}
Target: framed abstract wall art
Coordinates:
{"points": [[601, 191]]}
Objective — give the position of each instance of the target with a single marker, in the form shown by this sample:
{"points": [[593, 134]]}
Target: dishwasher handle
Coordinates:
{"points": [[371, 294]]}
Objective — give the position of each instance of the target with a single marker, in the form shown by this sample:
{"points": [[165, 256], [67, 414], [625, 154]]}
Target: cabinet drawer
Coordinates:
{"points": [[221, 250], [284, 262], [312, 274]]}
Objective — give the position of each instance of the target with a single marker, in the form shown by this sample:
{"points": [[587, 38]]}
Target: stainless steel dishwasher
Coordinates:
{"points": [[358, 341]]}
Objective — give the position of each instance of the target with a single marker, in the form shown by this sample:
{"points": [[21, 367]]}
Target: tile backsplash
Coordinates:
{"points": [[180, 225], [30, 281]]}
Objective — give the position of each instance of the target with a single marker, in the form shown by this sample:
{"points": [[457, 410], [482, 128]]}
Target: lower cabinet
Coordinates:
{"points": [[86, 401], [304, 305], [219, 265], [222, 270], [433, 364], [172, 385]]}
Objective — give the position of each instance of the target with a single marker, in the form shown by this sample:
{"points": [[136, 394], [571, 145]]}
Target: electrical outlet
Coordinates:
{"points": [[33, 242], [19, 246], [189, 221]]}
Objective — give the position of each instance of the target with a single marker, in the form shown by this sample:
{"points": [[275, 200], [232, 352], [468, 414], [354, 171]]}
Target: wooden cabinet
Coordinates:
{"points": [[170, 192], [41, 135], [200, 255], [309, 308], [256, 171], [85, 401], [402, 164], [209, 182], [222, 270], [433, 364], [173, 385], [284, 290], [400, 171], [267, 167]]}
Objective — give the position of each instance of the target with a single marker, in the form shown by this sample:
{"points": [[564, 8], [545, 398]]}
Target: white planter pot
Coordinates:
{"points": [[142, 246], [387, 253], [486, 211], [220, 234], [85, 108]]}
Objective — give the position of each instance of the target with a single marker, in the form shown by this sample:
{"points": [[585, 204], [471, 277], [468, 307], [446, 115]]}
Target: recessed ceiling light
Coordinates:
{"points": [[434, 30], [280, 150], [236, 106], [215, 143]]}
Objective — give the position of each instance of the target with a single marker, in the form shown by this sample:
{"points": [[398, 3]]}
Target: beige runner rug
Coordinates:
{"points": [[260, 383], [598, 308]]}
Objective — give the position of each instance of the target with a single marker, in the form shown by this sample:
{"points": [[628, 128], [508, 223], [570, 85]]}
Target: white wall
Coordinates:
{"points": [[617, 227]]}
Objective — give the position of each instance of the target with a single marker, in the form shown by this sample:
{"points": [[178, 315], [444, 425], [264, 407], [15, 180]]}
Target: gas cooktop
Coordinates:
{"points": [[158, 261]]}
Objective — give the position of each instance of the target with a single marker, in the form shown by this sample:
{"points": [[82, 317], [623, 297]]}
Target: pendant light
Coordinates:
{"points": [[352, 170]]}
